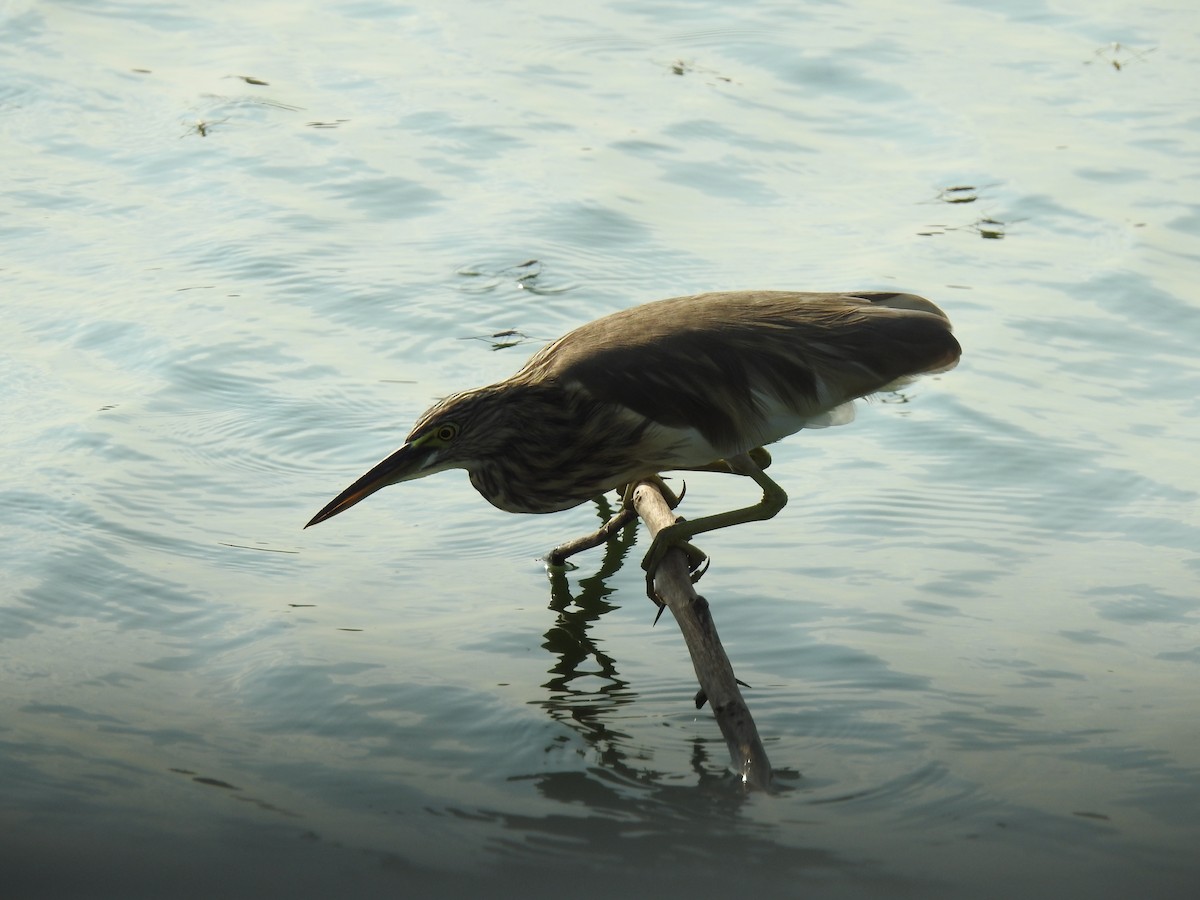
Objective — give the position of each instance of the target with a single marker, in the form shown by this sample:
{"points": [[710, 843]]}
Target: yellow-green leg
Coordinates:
{"points": [[681, 533]]}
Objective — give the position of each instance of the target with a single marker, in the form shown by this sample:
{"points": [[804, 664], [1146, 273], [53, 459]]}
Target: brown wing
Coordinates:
{"points": [[707, 361]]}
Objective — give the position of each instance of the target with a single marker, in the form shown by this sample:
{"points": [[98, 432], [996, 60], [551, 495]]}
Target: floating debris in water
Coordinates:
{"points": [[1119, 55]]}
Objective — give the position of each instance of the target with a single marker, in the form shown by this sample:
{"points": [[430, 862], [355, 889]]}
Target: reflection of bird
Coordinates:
{"points": [[688, 383]]}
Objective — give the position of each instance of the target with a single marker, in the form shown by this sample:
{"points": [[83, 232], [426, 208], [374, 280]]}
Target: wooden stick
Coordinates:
{"points": [[713, 670], [558, 556]]}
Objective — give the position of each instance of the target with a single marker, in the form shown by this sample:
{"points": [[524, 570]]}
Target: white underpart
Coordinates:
{"points": [[690, 448], [780, 421], [839, 415]]}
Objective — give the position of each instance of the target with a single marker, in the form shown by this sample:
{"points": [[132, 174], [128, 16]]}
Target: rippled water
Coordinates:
{"points": [[246, 244]]}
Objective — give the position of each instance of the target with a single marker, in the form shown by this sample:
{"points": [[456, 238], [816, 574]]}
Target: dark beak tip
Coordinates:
{"points": [[380, 476], [321, 517]]}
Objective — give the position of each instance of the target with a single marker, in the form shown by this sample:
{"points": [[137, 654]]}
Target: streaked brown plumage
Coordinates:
{"points": [[676, 384]]}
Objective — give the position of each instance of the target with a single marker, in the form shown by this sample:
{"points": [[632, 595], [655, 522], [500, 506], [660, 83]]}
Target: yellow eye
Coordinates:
{"points": [[448, 432]]}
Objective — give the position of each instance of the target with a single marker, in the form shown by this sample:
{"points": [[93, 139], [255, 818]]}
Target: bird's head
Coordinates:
{"points": [[456, 433]]}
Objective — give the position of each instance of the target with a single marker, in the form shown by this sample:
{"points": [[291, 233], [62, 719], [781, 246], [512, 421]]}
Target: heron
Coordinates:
{"points": [[701, 383]]}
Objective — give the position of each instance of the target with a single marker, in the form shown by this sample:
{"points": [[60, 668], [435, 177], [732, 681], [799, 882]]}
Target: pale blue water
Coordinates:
{"points": [[973, 635]]}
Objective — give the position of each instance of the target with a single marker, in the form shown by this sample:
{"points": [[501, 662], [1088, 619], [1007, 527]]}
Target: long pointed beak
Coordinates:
{"points": [[409, 462]]}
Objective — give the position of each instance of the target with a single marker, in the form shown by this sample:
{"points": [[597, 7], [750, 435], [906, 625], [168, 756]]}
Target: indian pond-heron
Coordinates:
{"points": [[696, 382]]}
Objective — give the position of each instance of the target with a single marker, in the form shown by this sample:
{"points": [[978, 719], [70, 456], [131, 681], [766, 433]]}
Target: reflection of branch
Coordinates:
{"points": [[713, 670], [583, 699]]}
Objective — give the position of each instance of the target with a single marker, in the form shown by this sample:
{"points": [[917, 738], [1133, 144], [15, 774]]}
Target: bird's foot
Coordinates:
{"points": [[669, 537], [672, 499]]}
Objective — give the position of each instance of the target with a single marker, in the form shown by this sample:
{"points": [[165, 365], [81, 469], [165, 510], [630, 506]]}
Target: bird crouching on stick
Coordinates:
{"points": [[691, 383]]}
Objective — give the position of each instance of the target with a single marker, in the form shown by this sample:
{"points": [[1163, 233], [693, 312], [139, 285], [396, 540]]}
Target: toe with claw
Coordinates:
{"points": [[672, 536]]}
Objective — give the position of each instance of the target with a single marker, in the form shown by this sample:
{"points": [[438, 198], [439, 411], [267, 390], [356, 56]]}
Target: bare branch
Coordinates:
{"points": [[712, 666]]}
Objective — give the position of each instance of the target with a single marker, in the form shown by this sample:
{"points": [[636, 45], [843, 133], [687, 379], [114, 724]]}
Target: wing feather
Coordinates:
{"points": [[725, 363]]}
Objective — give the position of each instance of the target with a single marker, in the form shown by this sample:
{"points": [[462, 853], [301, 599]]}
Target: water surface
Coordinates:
{"points": [[245, 245]]}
